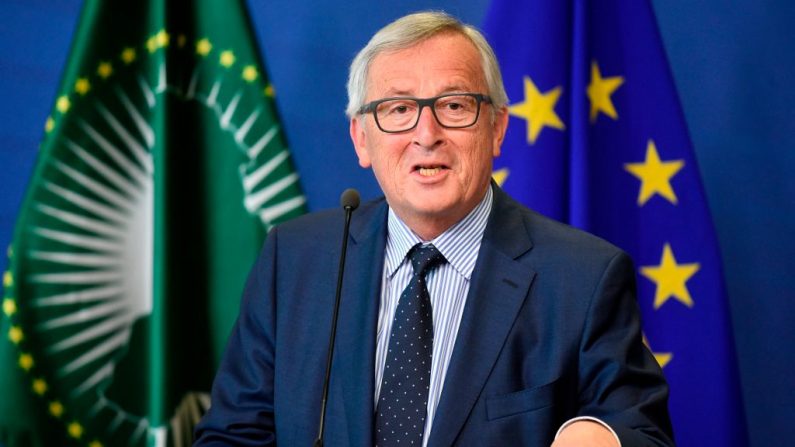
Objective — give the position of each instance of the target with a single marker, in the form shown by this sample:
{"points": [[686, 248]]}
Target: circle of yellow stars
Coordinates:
{"points": [[82, 86], [160, 40]]}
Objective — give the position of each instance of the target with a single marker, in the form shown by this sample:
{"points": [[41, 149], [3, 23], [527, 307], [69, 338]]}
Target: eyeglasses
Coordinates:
{"points": [[453, 111]]}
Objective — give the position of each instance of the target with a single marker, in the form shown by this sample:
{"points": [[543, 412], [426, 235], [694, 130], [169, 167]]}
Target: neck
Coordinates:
{"points": [[427, 231], [429, 226]]}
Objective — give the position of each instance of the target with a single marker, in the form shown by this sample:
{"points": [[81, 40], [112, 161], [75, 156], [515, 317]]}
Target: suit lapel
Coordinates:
{"points": [[355, 344], [499, 287]]}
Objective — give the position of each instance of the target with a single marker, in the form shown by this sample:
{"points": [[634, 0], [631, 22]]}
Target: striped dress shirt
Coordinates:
{"points": [[447, 284]]}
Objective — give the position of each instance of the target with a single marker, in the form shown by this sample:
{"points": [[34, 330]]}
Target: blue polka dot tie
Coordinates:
{"points": [[402, 404]]}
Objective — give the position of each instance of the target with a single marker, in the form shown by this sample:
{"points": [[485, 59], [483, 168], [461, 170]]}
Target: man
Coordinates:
{"points": [[466, 319]]}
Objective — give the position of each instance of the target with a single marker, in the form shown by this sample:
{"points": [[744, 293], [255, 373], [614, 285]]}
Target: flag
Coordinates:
{"points": [[597, 139], [162, 167]]}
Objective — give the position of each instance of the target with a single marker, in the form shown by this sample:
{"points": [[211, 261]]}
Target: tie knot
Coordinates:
{"points": [[425, 258]]}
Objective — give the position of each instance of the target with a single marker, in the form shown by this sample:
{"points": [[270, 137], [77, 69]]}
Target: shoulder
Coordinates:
{"points": [[548, 233], [327, 225], [553, 244], [310, 244]]}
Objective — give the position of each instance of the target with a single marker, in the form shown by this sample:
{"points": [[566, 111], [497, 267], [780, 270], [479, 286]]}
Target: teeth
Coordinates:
{"points": [[427, 172]]}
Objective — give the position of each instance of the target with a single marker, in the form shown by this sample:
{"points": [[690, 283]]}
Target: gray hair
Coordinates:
{"points": [[410, 30]]}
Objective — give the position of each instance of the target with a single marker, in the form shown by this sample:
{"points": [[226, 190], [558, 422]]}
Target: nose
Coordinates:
{"points": [[428, 132]]}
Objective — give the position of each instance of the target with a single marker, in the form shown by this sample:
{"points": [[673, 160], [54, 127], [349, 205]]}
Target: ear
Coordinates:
{"points": [[498, 128], [359, 138]]}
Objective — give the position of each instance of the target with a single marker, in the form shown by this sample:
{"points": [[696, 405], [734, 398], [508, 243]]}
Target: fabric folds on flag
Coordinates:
{"points": [[597, 139], [162, 167]]}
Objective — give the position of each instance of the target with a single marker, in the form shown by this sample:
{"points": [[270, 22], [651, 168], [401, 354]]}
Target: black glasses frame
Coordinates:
{"points": [[422, 103]]}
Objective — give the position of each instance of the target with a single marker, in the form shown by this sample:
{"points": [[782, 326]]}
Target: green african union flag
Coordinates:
{"points": [[162, 167]]}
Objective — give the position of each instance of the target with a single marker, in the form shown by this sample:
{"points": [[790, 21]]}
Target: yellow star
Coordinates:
{"points": [[151, 44], [128, 55], [25, 361], [500, 176], [269, 91], [162, 38], [56, 409], [16, 335], [671, 278], [227, 58], [203, 47], [40, 386], [599, 91], [181, 39], [105, 69], [655, 175], [63, 104], [250, 73], [82, 86], [9, 306], [95, 443], [538, 109], [8, 279], [75, 429], [49, 125], [663, 358]]}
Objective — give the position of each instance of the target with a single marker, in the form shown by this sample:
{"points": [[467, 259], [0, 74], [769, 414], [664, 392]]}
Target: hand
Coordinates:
{"points": [[585, 434]]}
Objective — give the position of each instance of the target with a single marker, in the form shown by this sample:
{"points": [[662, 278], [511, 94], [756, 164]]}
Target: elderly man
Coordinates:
{"points": [[466, 318]]}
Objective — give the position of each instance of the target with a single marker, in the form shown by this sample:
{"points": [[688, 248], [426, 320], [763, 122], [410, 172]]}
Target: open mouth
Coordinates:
{"points": [[429, 170]]}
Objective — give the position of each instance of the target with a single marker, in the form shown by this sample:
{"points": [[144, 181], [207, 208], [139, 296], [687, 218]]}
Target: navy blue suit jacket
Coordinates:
{"points": [[550, 331]]}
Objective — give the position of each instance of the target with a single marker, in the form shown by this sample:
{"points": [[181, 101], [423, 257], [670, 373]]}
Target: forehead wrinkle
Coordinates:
{"points": [[401, 93], [398, 92], [462, 85]]}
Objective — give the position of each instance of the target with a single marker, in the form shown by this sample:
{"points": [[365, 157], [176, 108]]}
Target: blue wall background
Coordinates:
{"points": [[734, 63]]}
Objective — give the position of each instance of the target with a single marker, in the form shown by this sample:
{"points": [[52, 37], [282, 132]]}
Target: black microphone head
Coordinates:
{"points": [[350, 199]]}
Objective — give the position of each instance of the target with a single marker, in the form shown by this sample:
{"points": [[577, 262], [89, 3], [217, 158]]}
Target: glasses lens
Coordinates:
{"points": [[397, 114], [456, 110]]}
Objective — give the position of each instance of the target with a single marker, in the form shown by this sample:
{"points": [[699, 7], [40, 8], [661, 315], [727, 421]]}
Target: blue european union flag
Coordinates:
{"points": [[597, 139]]}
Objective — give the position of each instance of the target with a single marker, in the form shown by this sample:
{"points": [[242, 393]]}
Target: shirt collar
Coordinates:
{"points": [[459, 244]]}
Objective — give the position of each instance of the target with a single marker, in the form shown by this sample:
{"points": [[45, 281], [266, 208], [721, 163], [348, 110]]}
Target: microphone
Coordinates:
{"points": [[349, 201]]}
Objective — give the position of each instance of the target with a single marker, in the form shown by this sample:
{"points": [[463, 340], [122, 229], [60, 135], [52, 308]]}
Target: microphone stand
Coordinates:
{"points": [[349, 202]]}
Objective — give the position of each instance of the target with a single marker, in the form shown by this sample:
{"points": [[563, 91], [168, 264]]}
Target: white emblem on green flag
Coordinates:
{"points": [[162, 167]]}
